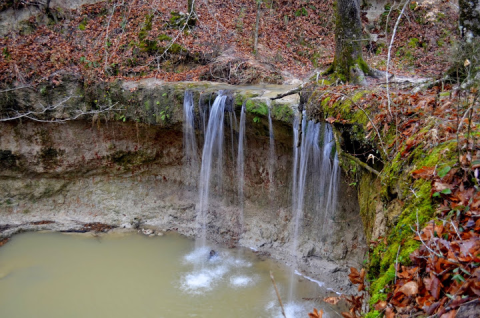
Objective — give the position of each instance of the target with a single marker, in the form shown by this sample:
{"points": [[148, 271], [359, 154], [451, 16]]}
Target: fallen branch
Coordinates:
{"points": [[290, 92], [359, 162], [278, 294], [33, 115]]}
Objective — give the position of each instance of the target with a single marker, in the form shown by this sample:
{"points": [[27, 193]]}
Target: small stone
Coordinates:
{"points": [[147, 231]]}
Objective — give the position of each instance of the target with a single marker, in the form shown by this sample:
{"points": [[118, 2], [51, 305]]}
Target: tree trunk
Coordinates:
{"points": [[469, 18], [192, 15], [348, 64], [257, 22], [466, 65]]}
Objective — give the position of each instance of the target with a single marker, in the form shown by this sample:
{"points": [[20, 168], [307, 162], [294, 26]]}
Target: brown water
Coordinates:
{"points": [[49, 275]]}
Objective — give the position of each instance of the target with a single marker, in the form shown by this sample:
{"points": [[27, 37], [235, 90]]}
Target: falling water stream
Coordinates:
{"points": [[271, 162], [241, 166], [212, 157], [315, 179], [191, 162]]}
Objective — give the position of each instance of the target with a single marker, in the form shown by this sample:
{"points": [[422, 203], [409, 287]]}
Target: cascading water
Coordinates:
{"points": [[212, 152], [315, 178], [241, 165], [315, 174], [271, 165], [191, 164]]}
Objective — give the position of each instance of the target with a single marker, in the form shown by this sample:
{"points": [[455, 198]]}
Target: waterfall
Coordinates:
{"points": [[271, 166], [315, 179], [212, 154], [241, 165], [189, 139]]}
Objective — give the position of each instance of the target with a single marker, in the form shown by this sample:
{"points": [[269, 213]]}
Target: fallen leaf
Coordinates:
{"points": [[409, 289], [332, 300], [316, 313], [389, 313], [423, 173], [381, 305]]}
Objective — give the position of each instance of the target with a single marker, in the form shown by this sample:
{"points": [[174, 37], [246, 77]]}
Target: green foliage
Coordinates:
{"points": [[83, 24], [301, 12], [443, 171], [164, 37], [257, 108], [377, 287], [6, 53], [413, 43]]}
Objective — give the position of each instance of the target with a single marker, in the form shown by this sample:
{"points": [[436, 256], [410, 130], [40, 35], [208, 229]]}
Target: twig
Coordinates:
{"points": [[190, 15], [278, 294], [359, 162], [420, 237], [290, 92], [32, 115], [106, 34], [389, 53], [396, 264]]}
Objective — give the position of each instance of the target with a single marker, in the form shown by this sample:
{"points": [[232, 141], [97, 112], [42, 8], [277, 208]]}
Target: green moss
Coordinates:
{"points": [[282, 112], [49, 156], [363, 65], [368, 188], [83, 24], [176, 48], [413, 43], [377, 287], [164, 37], [256, 107], [129, 159], [444, 152], [373, 314]]}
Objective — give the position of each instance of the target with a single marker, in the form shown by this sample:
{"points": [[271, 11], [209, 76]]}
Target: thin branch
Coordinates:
{"points": [[290, 92], [389, 53], [359, 162], [278, 294], [396, 264], [106, 34], [190, 15], [33, 115]]}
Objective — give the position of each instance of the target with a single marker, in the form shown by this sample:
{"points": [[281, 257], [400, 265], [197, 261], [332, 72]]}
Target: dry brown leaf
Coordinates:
{"points": [[409, 289], [316, 313], [332, 300], [381, 305], [389, 313]]}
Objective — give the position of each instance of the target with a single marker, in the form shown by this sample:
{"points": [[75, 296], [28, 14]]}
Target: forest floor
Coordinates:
{"points": [[138, 39]]}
